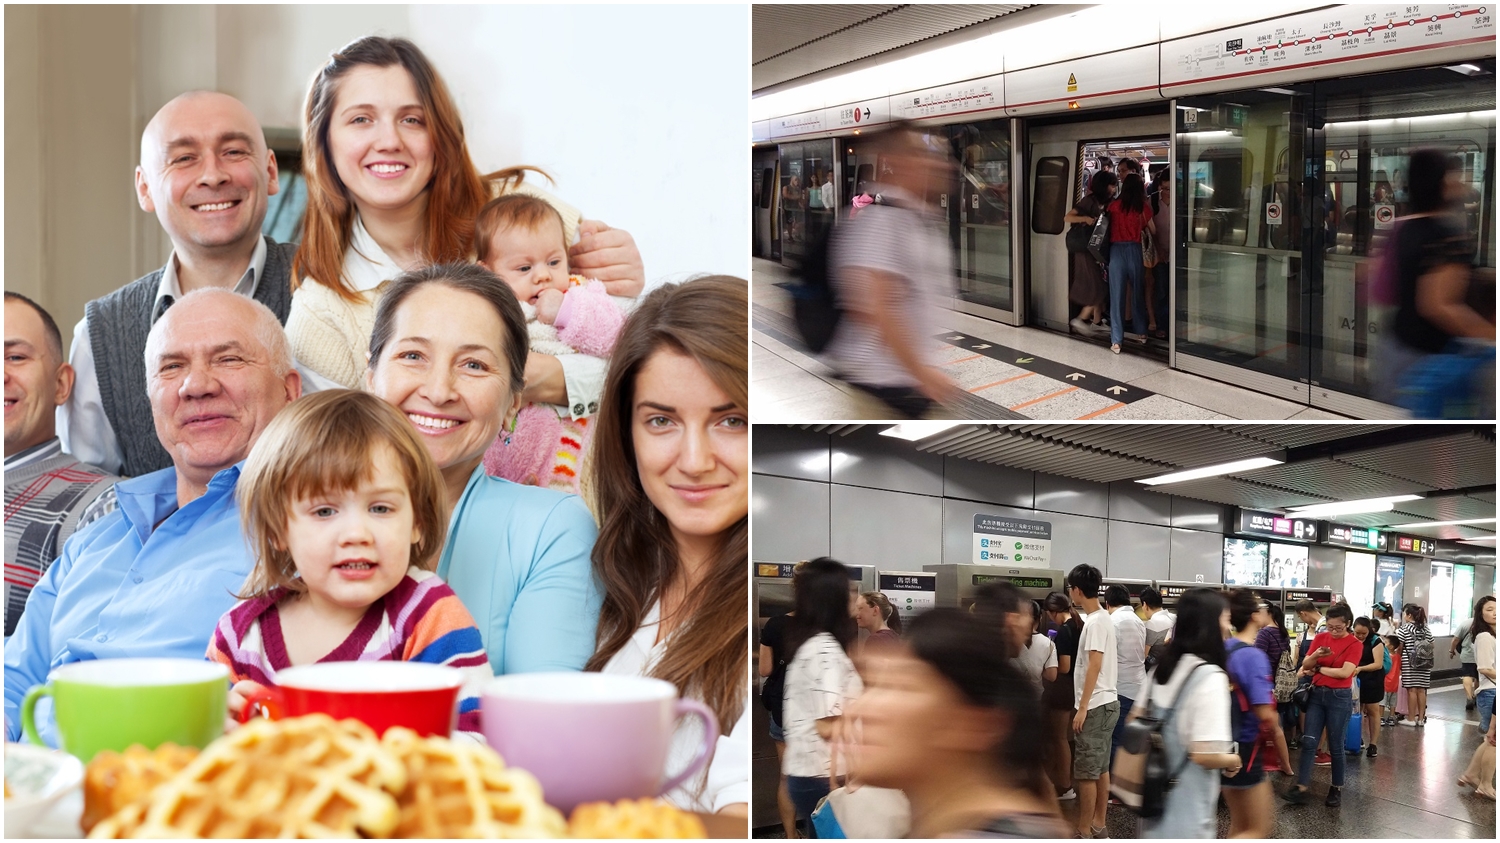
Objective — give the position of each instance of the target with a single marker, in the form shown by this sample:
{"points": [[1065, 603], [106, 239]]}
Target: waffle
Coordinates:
{"points": [[113, 780], [301, 777], [634, 819], [457, 789]]}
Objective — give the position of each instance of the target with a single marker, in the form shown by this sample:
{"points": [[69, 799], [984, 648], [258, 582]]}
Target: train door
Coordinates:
{"points": [[766, 242], [1057, 156], [805, 175], [979, 212]]}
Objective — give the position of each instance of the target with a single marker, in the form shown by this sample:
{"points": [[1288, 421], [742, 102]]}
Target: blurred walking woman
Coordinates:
{"points": [[820, 680], [949, 720], [669, 483], [1191, 680]]}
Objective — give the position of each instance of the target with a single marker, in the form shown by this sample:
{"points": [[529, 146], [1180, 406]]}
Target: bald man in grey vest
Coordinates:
{"points": [[207, 174]]}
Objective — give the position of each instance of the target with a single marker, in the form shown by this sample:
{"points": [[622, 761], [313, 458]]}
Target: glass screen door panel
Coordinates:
{"points": [[981, 214], [807, 195], [1369, 128], [1240, 298]]}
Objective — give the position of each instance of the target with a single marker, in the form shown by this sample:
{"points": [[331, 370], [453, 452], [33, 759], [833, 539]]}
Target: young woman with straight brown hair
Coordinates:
{"points": [[668, 480], [391, 188]]}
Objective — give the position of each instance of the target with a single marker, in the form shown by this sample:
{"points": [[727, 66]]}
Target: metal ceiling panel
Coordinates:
{"points": [[792, 41], [1228, 490], [1172, 446], [838, 429], [1298, 435], [1444, 508], [1333, 480], [1448, 462]]}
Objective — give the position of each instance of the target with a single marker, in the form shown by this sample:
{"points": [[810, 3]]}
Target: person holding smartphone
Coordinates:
{"points": [[1332, 659]]}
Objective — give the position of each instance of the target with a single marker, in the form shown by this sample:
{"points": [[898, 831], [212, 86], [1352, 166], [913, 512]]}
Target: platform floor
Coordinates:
{"points": [[1409, 791], [1010, 373]]}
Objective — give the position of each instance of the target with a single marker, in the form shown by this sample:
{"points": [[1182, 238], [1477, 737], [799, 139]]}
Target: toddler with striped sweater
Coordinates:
{"points": [[344, 508]]}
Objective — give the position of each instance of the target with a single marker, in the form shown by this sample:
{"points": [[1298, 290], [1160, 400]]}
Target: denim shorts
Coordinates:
{"points": [[1250, 774], [775, 731]]}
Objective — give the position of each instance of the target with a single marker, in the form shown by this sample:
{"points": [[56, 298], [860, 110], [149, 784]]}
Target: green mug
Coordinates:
{"points": [[116, 703]]}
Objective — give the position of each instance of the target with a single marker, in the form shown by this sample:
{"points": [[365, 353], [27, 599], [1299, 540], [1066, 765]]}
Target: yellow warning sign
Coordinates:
{"points": [[1072, 83]]}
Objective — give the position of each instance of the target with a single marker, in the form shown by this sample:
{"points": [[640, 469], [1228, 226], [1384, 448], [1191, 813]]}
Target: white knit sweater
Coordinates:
{"points": [[330, 334]]}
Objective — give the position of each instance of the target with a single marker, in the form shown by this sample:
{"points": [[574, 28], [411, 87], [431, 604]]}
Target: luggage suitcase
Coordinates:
{"points": [[1353, 735]]}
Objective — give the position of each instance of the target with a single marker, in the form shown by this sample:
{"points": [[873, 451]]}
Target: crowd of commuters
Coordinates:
{"points": [[362, 520], [986, 721]]}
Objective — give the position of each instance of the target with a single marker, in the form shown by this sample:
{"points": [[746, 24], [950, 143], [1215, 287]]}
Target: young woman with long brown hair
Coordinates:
{"points": [[668, 479], [390, 188]]}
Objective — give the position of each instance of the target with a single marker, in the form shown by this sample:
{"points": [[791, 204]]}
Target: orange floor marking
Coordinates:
{"points": [[963, 359], [997, 383], [1044, 398], [1099, 412]]}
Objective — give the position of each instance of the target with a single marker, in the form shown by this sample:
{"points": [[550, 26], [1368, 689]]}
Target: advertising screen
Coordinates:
{"points": [[1288, 566], [1359, 581], [1390, 573], [1440, 608], [1463, 593], [1245, 562]]}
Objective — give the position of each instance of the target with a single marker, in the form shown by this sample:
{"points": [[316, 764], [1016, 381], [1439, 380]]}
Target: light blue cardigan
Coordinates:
{"points": [[518, 558]]}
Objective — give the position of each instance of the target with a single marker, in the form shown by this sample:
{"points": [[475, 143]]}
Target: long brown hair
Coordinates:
{"points": [[635, 555], [457, 190]]}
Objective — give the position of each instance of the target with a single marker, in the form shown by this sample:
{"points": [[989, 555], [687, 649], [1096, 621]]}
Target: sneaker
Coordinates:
{"points": [[1322, 759], [1335, 798], [1066, 795], [1079, 326], [1421, 722], [1370, 751], [1115, 348], [1404, 722]]}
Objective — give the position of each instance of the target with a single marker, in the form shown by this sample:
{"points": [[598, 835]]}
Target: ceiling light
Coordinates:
{"points": [[912, 431], [1321, 510], [1442, 523], [1212, 470]]}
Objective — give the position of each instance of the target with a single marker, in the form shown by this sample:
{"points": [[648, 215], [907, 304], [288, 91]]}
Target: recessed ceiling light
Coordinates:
{"points": [[1322, 510], [1212, 470], [1442, 523], [913, 431]]}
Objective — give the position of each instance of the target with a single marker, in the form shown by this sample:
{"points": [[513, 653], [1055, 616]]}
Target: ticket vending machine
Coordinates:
{"points": [[773, 587], [1135, 587], [1271, 596], [1322, 599], [956, 584], [911, 592], [1172, 591]]}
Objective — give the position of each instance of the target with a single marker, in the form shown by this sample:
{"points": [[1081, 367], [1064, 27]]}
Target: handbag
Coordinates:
{"points": [[1302, 696], [1148, 249], [1099, 240]]}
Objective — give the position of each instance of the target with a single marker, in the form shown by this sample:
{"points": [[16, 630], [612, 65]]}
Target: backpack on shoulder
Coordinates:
{"points": [[1286, 676], [1421, 652], [1142, 775]]}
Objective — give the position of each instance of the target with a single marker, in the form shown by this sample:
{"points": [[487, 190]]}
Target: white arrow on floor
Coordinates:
{"points": [[1075, 376], [981, 347], [1025, 359], [1117, 389], [959, 337]]}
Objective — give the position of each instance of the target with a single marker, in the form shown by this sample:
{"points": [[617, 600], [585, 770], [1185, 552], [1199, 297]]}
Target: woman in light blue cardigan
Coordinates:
{"points": [[449, 350]]}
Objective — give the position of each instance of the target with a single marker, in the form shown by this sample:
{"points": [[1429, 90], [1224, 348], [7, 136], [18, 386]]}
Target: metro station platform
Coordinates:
{"points": [[1010, 373]]}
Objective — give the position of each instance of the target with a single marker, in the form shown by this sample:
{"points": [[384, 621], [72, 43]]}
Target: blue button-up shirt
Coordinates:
{"points": [[148, 580]]}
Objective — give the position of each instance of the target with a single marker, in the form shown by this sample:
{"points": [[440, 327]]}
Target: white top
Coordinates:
{"points": [[728, 779], [1484, 656], [1130, 650], [820, 681], [1204, 714], [82, 425], [1098, 635], [1159, 627], [1040, 654]]}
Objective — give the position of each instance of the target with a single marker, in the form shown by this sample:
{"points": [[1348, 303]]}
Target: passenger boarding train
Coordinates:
{"points": [[1286, 140]]}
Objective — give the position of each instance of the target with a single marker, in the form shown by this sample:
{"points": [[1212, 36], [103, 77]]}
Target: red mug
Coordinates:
{"points": [[422, 697]]}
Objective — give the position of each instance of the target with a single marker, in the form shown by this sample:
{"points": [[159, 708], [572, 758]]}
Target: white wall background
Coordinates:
{"points": [[638, 111]]}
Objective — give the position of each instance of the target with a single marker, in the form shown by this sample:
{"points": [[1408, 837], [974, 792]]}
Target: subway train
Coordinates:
{"points": [[1286, 139]]}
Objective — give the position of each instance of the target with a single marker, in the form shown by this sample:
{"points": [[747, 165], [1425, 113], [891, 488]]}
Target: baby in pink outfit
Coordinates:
{"points": [[520, 238]]}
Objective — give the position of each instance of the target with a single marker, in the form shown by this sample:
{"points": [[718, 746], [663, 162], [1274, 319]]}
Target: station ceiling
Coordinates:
{"points": [[792, 41], [1452, 466]]}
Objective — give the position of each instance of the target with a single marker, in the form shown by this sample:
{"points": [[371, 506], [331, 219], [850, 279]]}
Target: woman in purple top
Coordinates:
{"points": [[1252, 692]]}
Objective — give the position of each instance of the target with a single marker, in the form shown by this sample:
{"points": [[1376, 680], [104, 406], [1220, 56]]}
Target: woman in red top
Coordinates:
{"points": [[1331, 660], [1128, 215]]}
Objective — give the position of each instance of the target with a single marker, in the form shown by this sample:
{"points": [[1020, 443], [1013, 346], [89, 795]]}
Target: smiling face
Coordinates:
{"points": [[36, 380], [205, 172], [530, 259], [213, 383], [352, 547], [692, 448], [444, 367], [379, 140]]}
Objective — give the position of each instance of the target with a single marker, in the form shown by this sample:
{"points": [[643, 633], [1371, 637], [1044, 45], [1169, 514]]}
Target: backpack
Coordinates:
{"points": [[1421, 651], [1142, 774], [815, 305], [1387, 652]]}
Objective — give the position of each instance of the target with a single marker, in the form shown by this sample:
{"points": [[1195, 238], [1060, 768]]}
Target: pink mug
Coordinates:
{"points": [[591, 737]]}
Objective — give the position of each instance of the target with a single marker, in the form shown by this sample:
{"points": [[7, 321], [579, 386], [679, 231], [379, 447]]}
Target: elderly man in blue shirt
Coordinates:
{"points": [[152, 578]]}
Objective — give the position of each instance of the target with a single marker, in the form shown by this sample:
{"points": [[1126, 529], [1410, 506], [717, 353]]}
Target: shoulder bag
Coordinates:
{"points": [[1099, 240]]}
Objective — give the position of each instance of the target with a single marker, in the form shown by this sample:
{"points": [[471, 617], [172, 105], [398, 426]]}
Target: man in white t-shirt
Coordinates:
{"points": [[1096, 700], [1159, 621], [1130, 654]]}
